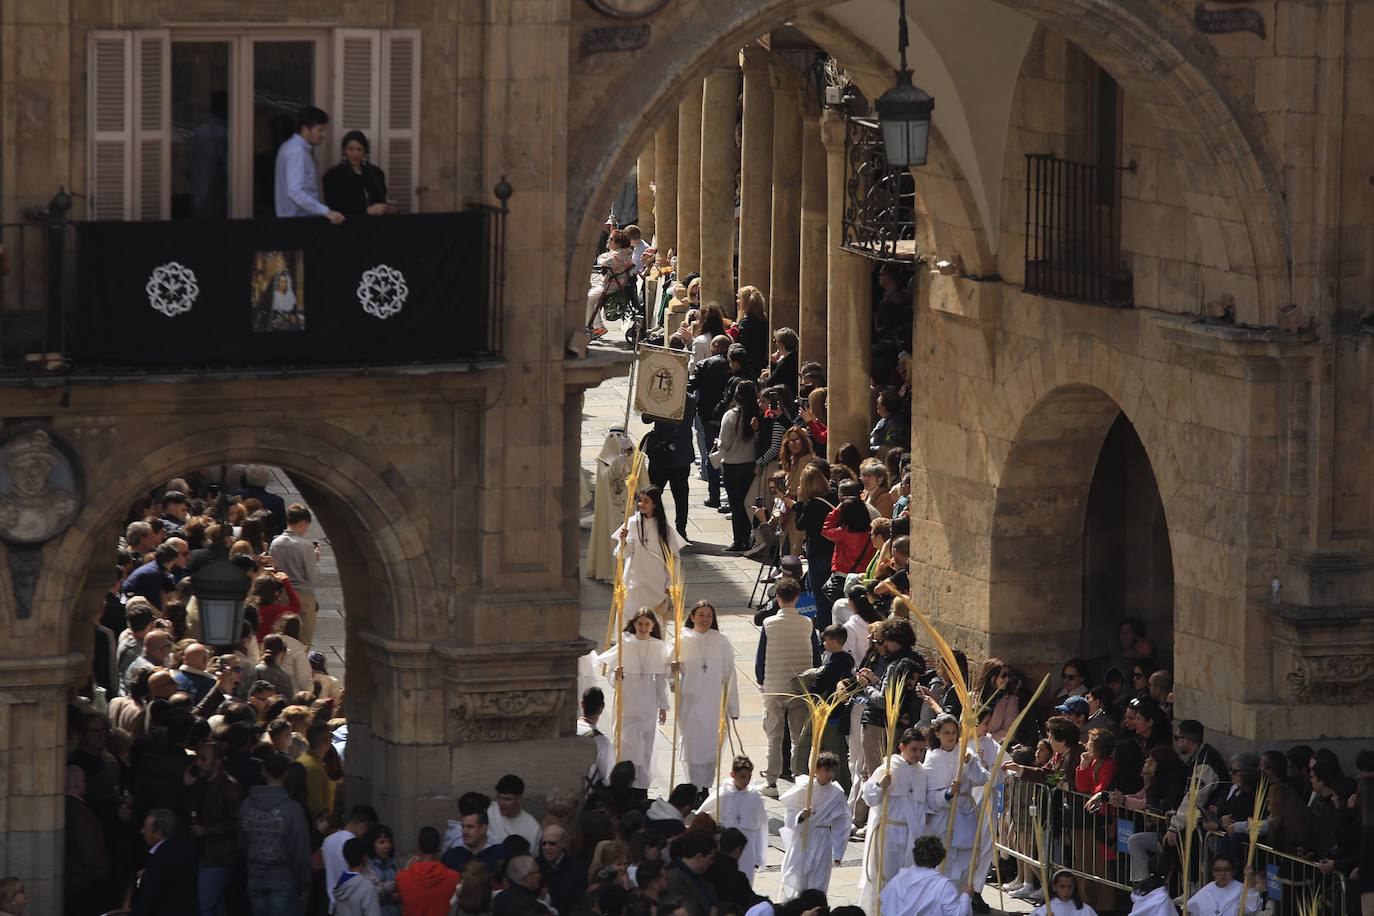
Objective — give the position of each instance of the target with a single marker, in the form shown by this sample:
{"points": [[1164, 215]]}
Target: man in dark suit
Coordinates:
{"points": [[565, 875], [167, 886], [783, 368], [708, 384]]}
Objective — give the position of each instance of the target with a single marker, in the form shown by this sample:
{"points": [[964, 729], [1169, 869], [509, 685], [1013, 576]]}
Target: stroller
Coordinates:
{"points": [[614, 295]]}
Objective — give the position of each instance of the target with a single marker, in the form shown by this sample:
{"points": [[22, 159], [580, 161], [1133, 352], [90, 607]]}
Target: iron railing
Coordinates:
{"points": [[35, 288], [1073, 232], [1037, 823], [880, 200]]}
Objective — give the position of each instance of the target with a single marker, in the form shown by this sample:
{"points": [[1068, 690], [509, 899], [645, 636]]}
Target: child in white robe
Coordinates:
{"points": [[706, 671], [904, 784], [1222, 896], [920, 889], [640, 669], [741, 807], [1151, 898], [815, 837], [649, 547], [1064, 900], [987, 748], [949, 794]]}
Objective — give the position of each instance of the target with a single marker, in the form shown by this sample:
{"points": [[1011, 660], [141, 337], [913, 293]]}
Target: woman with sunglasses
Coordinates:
{"points": [[1073, 678], [997, 690]]}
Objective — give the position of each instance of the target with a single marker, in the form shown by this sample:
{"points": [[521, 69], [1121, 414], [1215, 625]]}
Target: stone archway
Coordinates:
{"points": [[1148, 46], [1038, 596]]}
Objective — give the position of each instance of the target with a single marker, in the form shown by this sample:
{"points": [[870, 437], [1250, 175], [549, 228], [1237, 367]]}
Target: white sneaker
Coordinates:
{"points": [[1037, 896], [1013, 886], [1024, 892], [770, 791]]}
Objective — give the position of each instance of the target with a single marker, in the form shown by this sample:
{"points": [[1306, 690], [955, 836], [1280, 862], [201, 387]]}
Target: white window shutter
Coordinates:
{"points": [[400, 147], [109, 111], [357, 87], [152, 122]]}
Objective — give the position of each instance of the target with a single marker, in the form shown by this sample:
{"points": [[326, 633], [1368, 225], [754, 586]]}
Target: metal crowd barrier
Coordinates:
{"points": [[1096, 845]]}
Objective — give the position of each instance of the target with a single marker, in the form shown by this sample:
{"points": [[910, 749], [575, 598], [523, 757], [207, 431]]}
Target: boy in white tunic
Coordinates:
{"points": [[949, 794], [987, 748], [741, 807], [815, 837], [904, 784], [640, 666], [1222, 896], [920, 889]]}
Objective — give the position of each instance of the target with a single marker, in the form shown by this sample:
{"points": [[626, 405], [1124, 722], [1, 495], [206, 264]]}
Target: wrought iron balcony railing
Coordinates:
{"points": [[880, 200], [1073, 232]]}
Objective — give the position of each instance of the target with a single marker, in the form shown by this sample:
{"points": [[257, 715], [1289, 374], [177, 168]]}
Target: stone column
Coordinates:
{"points": [[33, 716], [814, 249], [719, 102], [756, 171], [689, 183], [646, 196], [784, 261], [665, 181], [847, 294]]}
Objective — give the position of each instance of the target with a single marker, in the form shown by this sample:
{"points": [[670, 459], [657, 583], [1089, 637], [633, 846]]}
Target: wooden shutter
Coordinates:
{"points": [[400, 93], [357, 72], [152, 118], [109, 104]]}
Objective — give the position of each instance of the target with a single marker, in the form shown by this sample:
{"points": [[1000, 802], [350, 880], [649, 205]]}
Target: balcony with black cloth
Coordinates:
{"points": [[100, 298]]}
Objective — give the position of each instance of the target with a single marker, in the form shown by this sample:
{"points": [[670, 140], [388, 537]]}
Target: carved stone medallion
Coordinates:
{"points": [[40, 493], [628, 9], [505, 715]]}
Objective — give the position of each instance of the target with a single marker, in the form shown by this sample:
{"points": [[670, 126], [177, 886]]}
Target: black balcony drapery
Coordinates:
{"points": [[373, 290]]}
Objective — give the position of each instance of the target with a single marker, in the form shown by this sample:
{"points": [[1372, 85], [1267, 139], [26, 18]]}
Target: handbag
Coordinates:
{"points": [[716, 458]]}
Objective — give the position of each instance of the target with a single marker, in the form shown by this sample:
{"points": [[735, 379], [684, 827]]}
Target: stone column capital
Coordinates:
{"points": [[755, 59], [784, 77], [833, 130]]}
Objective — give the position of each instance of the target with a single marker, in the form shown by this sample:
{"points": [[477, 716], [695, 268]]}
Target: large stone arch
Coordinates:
{"points": [[1149, 46], [361, 497], [1074, 387]]}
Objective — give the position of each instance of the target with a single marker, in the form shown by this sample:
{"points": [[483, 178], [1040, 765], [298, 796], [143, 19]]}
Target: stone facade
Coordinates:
{"points": [[454, 492]]}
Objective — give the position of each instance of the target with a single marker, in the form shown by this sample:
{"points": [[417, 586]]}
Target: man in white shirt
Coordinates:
{"points": [[506, 815], [296, 555], [297, 187], [360, 820], [593, 704]]}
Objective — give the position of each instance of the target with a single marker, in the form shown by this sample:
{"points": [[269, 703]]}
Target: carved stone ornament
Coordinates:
{"points": [[505, 715], [39, 490], [628, 9], [1335, 680]]}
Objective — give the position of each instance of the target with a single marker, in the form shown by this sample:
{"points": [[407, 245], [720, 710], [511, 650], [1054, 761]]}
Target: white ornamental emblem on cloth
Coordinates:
{"points": [[382, 291], [172, 289]]}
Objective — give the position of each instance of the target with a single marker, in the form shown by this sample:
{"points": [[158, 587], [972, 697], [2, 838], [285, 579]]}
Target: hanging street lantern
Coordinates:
{"points": [[904, 111], [220, 587]]}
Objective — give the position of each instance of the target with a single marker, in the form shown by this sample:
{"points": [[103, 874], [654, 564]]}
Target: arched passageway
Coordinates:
{"points": [[1079, 537]]}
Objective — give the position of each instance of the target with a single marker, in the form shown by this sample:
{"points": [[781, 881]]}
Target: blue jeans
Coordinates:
{"points": [[274, 901], [214, 879], [706, 435]]}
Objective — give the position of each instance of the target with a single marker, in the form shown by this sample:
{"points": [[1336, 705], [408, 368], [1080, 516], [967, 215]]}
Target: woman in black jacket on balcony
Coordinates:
{"points": [[356, 187]]}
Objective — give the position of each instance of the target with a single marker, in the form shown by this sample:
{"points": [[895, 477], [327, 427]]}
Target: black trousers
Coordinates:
{"points": [[739, 479], [676, 480]]}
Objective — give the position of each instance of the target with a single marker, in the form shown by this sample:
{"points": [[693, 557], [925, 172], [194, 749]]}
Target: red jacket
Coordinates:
{"points": [[426, 888], [1090, 782], [853, 549], [268, 613]]}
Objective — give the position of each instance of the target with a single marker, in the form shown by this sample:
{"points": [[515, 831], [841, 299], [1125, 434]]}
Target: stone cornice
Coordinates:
{"points": [[45, 672]]}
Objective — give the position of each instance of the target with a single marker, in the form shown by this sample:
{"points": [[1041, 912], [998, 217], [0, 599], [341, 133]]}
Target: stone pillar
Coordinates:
{"points": [[33, 717], [847, 295], [689, 183], [646, 196], [814, 249], [756, 171], [665, 182], [719, 102], [784, 261]]}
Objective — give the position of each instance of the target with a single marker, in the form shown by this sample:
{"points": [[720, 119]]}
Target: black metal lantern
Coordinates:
{"points": [[904, 111], [220, 587]]}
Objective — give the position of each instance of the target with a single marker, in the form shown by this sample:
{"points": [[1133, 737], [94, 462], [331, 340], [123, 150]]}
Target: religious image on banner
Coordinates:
{"points": [[278, 291]]}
